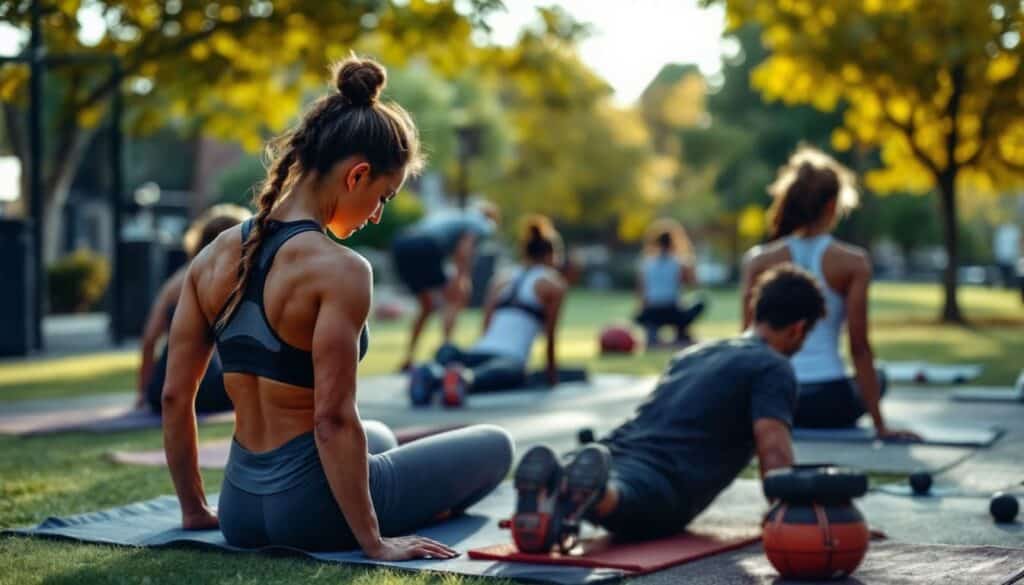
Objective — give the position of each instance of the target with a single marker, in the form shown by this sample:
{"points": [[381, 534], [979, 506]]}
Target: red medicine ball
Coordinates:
{"points": [[815, 541], [617, 339]]}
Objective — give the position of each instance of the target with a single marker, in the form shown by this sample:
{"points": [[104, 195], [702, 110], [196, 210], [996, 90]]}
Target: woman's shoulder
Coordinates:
{"points": [[767, 253]]}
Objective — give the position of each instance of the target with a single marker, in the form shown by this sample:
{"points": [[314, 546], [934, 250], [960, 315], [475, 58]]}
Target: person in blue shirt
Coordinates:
{"points": [[666, 268], [421, 254]]}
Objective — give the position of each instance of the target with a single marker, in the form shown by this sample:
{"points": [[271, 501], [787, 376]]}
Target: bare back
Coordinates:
{"points": [[842, 265], [304, 274]]}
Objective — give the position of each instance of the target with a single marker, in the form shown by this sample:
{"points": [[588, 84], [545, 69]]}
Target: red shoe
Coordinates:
{"points": [[454, 386]]}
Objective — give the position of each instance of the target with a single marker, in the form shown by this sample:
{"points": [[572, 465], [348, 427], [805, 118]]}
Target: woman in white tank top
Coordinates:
{"points": [[518, 309], [811, 192], [666, 266]]}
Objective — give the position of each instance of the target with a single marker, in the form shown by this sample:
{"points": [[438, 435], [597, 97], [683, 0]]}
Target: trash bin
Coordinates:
{"points": [[143, 266], [17, 295]]}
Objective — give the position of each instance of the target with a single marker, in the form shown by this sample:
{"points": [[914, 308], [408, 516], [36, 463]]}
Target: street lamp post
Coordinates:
{"points": [[469, 146]]}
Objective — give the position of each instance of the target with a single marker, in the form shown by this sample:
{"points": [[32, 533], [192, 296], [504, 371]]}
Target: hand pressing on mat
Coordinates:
{"points": [[897, 435], [202, 519], [404, 548]]}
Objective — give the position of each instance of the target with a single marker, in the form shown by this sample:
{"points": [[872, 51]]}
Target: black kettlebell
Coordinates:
{"points": [[1003, 507], [921, 483]]}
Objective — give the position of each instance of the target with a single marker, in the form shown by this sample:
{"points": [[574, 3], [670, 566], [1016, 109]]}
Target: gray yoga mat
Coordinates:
{"points": [[988, 394], [882, 457], [156, 523], [922, 372], [933, 433]]}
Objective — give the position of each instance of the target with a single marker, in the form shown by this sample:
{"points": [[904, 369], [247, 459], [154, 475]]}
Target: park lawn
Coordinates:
{"points": [[903, 317], [67, 474]]}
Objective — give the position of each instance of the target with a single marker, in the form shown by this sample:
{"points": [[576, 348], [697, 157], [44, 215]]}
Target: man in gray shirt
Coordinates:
{"points": [[716, 406], [421, 253]]}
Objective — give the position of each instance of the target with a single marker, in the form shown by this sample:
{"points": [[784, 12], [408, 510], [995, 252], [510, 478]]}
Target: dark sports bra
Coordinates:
{"points": [[511, 299], [247, 344]]}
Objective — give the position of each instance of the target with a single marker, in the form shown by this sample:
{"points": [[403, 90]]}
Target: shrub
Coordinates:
{"points": [[78, 281]]}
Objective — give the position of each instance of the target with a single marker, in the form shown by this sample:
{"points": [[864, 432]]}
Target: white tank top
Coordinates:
{"points": [[819, 360], [512, 330], [661, 276]]}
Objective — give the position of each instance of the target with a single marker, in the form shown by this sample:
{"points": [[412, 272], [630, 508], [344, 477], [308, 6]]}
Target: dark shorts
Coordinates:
{"points": [[832, 404], [647, 507], [669, 315], [419, 261]]}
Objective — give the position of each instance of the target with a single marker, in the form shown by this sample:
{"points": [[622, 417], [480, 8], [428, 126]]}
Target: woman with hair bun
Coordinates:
{"points": [[286, 309], [667, 266], [519, 307], [812, 191]]}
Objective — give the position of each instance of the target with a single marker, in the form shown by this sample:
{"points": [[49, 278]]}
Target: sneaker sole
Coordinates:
{"points": [[585, 479], [452, 385], [537, 479]]}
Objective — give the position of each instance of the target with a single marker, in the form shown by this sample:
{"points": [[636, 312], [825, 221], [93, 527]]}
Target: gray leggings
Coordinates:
{"points": [[410, 487]]}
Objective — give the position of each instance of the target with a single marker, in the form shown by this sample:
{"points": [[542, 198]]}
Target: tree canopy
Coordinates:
{"points": [[933, 84]]}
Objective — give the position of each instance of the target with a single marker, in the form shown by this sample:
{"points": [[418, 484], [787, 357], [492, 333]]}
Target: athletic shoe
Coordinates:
{"points": [[454, 386], [421, 385], [536, 524], [585, 479]]}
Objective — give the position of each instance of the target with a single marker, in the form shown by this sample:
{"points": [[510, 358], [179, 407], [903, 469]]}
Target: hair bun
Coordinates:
{"points": [[537, 227], [360, 81]]}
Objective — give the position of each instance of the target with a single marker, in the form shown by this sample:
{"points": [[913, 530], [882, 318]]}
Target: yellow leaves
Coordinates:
{"points": [[91, 117], [199, 51], [899, 109], [850, 73], [752, 223], [230, 13], [1011, 143], [296, 38], [13, 78], [225, 44], [842, 140], [1003, 66], [776, 36], [873, 6]]}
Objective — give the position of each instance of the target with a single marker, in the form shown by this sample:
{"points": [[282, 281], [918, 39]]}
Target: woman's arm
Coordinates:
{"points": [[338, 431], [749, 272], [552, 294], [491, 302], [688, 274], [190, 347], [156, 325], [640, 292], [861, 352]]}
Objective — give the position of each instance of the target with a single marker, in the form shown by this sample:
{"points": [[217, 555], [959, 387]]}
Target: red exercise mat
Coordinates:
{"points": [[637, 557]]}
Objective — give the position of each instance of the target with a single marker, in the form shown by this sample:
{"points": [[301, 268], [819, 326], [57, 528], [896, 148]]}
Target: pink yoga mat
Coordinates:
{"points": [[636, 557]]}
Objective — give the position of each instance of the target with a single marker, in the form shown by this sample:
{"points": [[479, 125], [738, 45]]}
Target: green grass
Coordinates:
{"points": [[68, 474]]}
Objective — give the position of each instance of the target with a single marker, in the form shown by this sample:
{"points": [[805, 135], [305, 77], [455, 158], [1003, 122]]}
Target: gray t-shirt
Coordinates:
{"points": [[696, 428], [447, 227]]}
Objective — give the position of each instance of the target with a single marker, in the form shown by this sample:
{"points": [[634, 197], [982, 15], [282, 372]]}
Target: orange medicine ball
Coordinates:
{"points": [[815, 541]]}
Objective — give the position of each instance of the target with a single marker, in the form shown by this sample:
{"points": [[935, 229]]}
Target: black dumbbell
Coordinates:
{"points": [[1003, 507], [921, 483]]}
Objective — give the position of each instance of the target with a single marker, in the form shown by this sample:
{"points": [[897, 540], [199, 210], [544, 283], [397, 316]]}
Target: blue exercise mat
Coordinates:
{"points": [[157, 523], [932, 433]]}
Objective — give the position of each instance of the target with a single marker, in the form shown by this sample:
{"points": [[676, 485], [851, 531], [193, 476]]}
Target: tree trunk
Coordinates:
{"points": [[951, 235], [56, 189]]}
